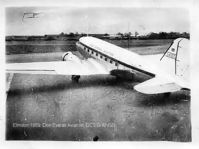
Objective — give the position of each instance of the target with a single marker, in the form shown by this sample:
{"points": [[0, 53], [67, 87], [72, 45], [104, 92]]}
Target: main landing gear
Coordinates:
{"points": [[166, 95], [75, 78]]}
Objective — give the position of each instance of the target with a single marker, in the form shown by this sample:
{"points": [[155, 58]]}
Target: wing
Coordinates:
{"points": [[89, 67], [157, 85]]}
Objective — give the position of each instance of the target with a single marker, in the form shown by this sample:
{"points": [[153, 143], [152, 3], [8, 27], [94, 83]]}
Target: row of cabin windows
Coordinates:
{"points": [[92, 52]]}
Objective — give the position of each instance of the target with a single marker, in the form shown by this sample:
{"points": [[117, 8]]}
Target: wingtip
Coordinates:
{"points": [[140, 89]]}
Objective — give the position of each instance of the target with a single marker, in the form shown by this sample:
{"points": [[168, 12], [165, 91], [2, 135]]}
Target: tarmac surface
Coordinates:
{"points": [[98, 108]]}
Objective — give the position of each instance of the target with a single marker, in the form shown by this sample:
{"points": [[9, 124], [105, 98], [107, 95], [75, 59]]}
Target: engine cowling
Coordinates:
{"points": [[69, 56]]}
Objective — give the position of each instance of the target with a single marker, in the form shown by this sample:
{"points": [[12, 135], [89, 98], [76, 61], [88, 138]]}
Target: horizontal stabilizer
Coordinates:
{"points": [[157, 85]]}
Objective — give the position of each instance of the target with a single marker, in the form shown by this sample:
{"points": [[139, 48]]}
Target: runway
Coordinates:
{"points": [[47, 107]]}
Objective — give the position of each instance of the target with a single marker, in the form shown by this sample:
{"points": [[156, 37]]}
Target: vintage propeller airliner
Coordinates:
{"points": [[169, 72]]}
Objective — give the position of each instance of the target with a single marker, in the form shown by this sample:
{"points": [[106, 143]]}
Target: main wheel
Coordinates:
{"points": [[75, 78], [166, 95]]}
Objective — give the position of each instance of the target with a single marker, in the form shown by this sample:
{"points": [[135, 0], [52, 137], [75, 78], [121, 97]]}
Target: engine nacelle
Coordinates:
{"points": [[69, 56]]}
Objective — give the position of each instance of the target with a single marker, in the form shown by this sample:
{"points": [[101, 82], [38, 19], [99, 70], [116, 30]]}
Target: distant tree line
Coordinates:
{"points": [[165, 35], [118, 36]]}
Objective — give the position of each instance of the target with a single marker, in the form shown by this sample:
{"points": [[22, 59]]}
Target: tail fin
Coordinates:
{"points": [[176, 58]]}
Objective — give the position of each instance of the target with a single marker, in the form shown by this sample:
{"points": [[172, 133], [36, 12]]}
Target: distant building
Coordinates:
{"points": [[17, 38], [115, 36]]}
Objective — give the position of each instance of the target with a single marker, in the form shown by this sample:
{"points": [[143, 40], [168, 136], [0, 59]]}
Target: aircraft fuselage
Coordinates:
{"points": [[113, 56]]}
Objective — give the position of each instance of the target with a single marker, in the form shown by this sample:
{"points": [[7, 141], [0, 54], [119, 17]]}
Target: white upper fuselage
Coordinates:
{"points": [[119, 57]]}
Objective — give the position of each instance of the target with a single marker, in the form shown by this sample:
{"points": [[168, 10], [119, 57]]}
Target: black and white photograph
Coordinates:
{"points": [[97, 73]]}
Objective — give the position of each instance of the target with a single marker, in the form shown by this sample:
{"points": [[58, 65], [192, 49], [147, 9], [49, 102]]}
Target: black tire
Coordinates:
{"points": [[166, 95], [75, 78]]}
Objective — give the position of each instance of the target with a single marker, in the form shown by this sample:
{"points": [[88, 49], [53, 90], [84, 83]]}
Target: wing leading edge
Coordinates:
{"points": [[90, 67]]}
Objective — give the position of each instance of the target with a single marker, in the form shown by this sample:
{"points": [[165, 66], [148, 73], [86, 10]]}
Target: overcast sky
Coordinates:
{"points": [[54, 20]]}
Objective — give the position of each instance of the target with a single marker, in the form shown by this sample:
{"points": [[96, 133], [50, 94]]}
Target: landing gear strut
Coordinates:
{"points": [[75, 78], [166, 95]]}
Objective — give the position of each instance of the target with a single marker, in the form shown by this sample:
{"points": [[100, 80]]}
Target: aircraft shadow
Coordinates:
{"points": [[161, 99], [103, 81], [94, 81]]}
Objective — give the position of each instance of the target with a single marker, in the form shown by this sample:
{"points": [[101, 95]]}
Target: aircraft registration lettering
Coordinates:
{"points": [[171, 55]]}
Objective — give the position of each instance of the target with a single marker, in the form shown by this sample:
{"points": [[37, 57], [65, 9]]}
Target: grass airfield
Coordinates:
{"points": [[98, 108]]}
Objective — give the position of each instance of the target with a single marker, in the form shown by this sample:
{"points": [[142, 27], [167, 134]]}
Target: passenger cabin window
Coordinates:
{"points": [[88, 50], [96, 54], [92, 52], [116, 64], [111, 61], [101, 56], [105, 59]]}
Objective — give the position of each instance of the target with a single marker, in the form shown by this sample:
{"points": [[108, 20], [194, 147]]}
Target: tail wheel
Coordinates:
{"points": [[75, 78]]}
